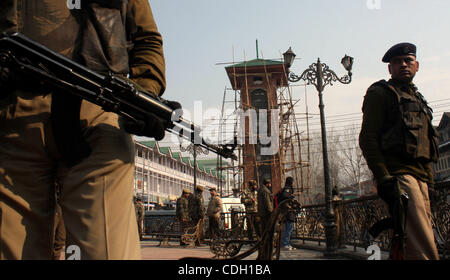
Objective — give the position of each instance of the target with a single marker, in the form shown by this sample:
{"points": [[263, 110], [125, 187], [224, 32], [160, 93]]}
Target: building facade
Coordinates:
{"points": [[161, 175], [442, 167]]}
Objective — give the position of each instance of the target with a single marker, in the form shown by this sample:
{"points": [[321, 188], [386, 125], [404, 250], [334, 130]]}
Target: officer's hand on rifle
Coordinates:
{"points": [[387, 190], [152, 126]]}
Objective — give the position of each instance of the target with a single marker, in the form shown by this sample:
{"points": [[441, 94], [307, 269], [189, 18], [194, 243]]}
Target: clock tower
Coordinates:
{"points": [[257, 81]]}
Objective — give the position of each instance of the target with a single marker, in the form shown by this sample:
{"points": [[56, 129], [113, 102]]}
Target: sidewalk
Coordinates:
{"points": [[151, 251]]}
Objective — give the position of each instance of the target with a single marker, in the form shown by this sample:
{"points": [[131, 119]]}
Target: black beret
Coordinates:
{"points": [[399, 49]]}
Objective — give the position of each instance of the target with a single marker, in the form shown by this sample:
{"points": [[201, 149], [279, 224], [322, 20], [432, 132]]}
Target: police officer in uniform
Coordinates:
{"points": [[47, 135], [265, 203], [182, 210], [140, 213], [197, 211], [399, 143], [249, 198]]}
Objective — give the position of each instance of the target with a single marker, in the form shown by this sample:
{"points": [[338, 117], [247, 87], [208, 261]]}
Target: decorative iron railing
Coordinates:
{"points": [[355, 217]]}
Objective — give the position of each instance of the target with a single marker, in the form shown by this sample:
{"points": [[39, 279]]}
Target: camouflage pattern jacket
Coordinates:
{"points": [[182, 211], [250, 199]]}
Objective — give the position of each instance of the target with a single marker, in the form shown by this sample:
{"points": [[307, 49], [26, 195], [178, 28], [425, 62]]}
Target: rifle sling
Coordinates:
{"points": [[65, 109]]}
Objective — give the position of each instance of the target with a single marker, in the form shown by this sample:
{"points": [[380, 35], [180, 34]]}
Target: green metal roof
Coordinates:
{"points": [[256, 62], [164, 150], [186, 160], [150, 144], [205, 165], [176, 155]]}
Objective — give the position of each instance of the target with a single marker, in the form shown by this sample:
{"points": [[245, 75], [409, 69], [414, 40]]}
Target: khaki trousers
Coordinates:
{"points": [[96, 194], [420, 244]]}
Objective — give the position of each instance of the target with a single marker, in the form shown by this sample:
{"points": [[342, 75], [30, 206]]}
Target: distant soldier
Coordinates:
{"points": [[338, 211], [249, 198], [214, 208], [265, 209], [197, 211], [265, 203], [182, 210], [140, 212]]}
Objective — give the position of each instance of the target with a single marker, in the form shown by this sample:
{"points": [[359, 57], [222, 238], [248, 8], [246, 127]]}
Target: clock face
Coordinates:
{"points": [[259, 99]]}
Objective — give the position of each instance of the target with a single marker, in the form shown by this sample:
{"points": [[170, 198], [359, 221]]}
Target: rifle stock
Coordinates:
{"points": [[111, 92]]}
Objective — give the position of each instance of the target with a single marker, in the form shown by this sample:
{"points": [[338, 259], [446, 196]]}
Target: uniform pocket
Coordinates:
{"points": [[412, 113]]}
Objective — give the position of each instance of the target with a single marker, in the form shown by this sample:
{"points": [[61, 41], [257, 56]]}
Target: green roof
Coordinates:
{"points": [[176, 155], [205, 165], [212, 162], [164, 150], [150, 144], [256, 62], [186, 160]]}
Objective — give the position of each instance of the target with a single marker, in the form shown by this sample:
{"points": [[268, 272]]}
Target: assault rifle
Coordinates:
{"points": [[398, 210], [114, 94]]}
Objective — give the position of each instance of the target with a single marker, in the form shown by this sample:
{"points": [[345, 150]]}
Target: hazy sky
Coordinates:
{"points": [[200, 34]]}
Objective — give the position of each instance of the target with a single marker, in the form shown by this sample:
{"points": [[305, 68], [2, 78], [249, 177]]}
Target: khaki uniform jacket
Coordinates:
{"points": [[265, 201], [196, 208], [214, 207], [122, 41], [379, 108]]}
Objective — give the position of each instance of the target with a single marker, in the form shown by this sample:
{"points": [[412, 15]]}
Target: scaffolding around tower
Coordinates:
{"points": [[260, 87]]}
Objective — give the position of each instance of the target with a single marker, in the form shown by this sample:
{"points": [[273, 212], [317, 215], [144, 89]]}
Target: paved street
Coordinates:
{"points": [[151, 251]]}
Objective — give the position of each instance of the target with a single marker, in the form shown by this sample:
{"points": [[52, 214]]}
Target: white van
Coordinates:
{"points": [[229, 203]]}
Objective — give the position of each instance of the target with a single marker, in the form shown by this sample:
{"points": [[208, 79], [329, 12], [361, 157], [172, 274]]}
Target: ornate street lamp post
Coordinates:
{"points": [[319, 75], [194, 149]]}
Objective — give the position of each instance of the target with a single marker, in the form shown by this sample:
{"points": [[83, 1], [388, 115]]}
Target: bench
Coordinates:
{"points": [[188, 235]]}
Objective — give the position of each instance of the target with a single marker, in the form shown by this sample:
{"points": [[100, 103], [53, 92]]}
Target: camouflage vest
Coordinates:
{"points": [[408, 130], [250, 200]]}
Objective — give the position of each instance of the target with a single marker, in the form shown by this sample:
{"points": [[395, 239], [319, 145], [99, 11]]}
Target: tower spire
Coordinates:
{"points": [[257, 51]]}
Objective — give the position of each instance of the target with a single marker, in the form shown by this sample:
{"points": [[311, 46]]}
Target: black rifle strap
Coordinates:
{"points": [[65, 109], [65, 118]]}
